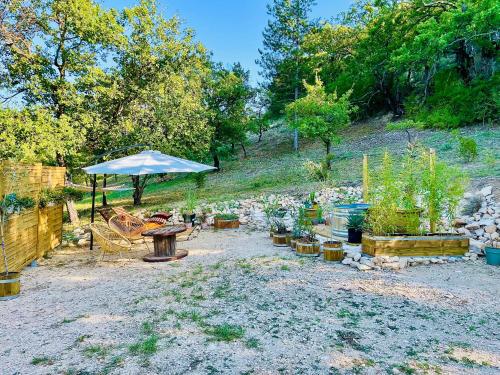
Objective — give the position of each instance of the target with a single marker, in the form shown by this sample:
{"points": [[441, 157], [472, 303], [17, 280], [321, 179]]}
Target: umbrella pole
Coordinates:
{"points": [[92, 212]]}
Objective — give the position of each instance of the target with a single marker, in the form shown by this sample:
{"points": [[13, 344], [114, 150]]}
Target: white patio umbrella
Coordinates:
{"points": [[143, 163]]}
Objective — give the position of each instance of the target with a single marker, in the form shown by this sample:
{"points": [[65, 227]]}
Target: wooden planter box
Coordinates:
{"points": [[333, 251], [280, 240], [226, 224], [430, 245], [307, 249]]}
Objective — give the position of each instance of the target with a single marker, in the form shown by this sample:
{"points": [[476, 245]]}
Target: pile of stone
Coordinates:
{"points": [[362, 262], [483, 226], [78, 237]]}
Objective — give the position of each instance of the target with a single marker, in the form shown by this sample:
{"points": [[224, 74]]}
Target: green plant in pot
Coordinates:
{"points": [[270, 209], [355, 225], [189, 207]]}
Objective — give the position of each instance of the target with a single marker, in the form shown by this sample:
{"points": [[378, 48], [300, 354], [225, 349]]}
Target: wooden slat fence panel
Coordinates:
{"points": [[30, 234]]}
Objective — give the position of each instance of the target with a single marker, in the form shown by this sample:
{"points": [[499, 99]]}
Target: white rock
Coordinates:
{"points": [[490, 228], [479, 232], [494, 236], [472, 226], [363, 267], [391, 265], [403, 263], [347, 261], [476, 246], [357, 257], [82, 242], [366, 261], [487, 190]]}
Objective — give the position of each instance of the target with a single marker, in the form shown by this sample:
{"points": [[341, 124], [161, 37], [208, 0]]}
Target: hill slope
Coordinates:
{"points": [[271, 165]]}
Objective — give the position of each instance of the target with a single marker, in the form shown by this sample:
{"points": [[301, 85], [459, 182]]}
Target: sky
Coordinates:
{"points": [[231, 29]]}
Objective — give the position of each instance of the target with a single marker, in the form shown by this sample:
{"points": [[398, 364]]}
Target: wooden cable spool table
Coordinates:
{"points": [[165, 245]]}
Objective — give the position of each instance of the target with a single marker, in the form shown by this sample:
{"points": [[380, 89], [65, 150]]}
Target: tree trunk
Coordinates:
{"points": [[464, 62], [328, 151], [216, 161], [244, 150], [260, 134], [70, 204], [104, 198], [138, 189]]}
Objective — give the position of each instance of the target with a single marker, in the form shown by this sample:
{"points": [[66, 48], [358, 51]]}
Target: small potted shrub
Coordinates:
{"points": [[226, 221], [492, 255], [311, 206], [355, 223], [280, 233], [188, 209], [308, 244]]}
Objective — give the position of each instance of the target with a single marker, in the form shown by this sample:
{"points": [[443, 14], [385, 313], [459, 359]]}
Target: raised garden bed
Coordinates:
{"points": [[424, 245], [228, 222]]}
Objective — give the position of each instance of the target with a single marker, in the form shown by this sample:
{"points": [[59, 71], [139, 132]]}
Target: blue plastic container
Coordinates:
{"points": [[492, 256]]}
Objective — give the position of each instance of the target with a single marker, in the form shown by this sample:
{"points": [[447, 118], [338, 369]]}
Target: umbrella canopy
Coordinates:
{"points": [[147, 162]]}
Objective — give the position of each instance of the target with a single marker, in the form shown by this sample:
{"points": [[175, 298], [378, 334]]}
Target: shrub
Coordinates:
{"points": [[227, 216], [318, 171], [467, 147], [472, 205], [200, 180]]}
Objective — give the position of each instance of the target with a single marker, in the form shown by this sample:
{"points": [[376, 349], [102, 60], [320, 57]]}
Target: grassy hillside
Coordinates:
{"points": [[272, 166]]}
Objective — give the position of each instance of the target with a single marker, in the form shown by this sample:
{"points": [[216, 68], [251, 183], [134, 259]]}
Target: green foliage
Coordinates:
{"points": [[148, 346], [58, 196], [355, 221], [397, 191], [319, 114], [434, 63], [225, 332], [472, 205], [319, 171], [281, 59], [226, 96], [200, 180], [226, 217], [467, 148], [11, 203], [190, 203]]}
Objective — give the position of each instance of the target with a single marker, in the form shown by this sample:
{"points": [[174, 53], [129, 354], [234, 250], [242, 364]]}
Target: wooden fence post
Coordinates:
{"points": [[432, 192], [365, 178]]}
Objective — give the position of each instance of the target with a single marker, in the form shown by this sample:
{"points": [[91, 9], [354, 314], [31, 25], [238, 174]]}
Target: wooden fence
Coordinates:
{"points": [[30, 234]]}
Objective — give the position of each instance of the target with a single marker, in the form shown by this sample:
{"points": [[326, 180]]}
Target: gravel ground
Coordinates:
{"points": [[238, 305]]}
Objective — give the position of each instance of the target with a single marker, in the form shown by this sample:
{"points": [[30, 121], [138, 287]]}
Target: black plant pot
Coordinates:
{"points": [[354, 235], [189, 218]]}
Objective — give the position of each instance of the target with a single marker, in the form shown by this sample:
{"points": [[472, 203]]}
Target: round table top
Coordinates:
{"points": [[165, 231]]}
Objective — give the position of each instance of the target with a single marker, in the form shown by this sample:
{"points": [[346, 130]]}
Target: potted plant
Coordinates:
{"points": [[226, 221], [492, 255], [297, 229], [280, 233], [270, 209], [311, 206], [188, 210], [308, 244], [355, 224]]}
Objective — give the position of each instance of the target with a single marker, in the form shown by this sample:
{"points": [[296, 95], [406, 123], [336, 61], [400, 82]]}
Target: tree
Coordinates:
{"points": [[154, 94], [281, 56], [227, 96], [259, 117], [321, 115]]}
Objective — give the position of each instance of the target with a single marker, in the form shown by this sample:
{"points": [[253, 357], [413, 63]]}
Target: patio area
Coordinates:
{"points": [[238, 305]]}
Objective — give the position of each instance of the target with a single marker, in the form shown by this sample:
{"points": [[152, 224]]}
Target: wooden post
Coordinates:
{"points": [[432, 192], [365, 178], [92, 212]]}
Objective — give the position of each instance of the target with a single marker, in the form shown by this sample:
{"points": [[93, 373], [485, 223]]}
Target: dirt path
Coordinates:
{"points": [[236, 305]]}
